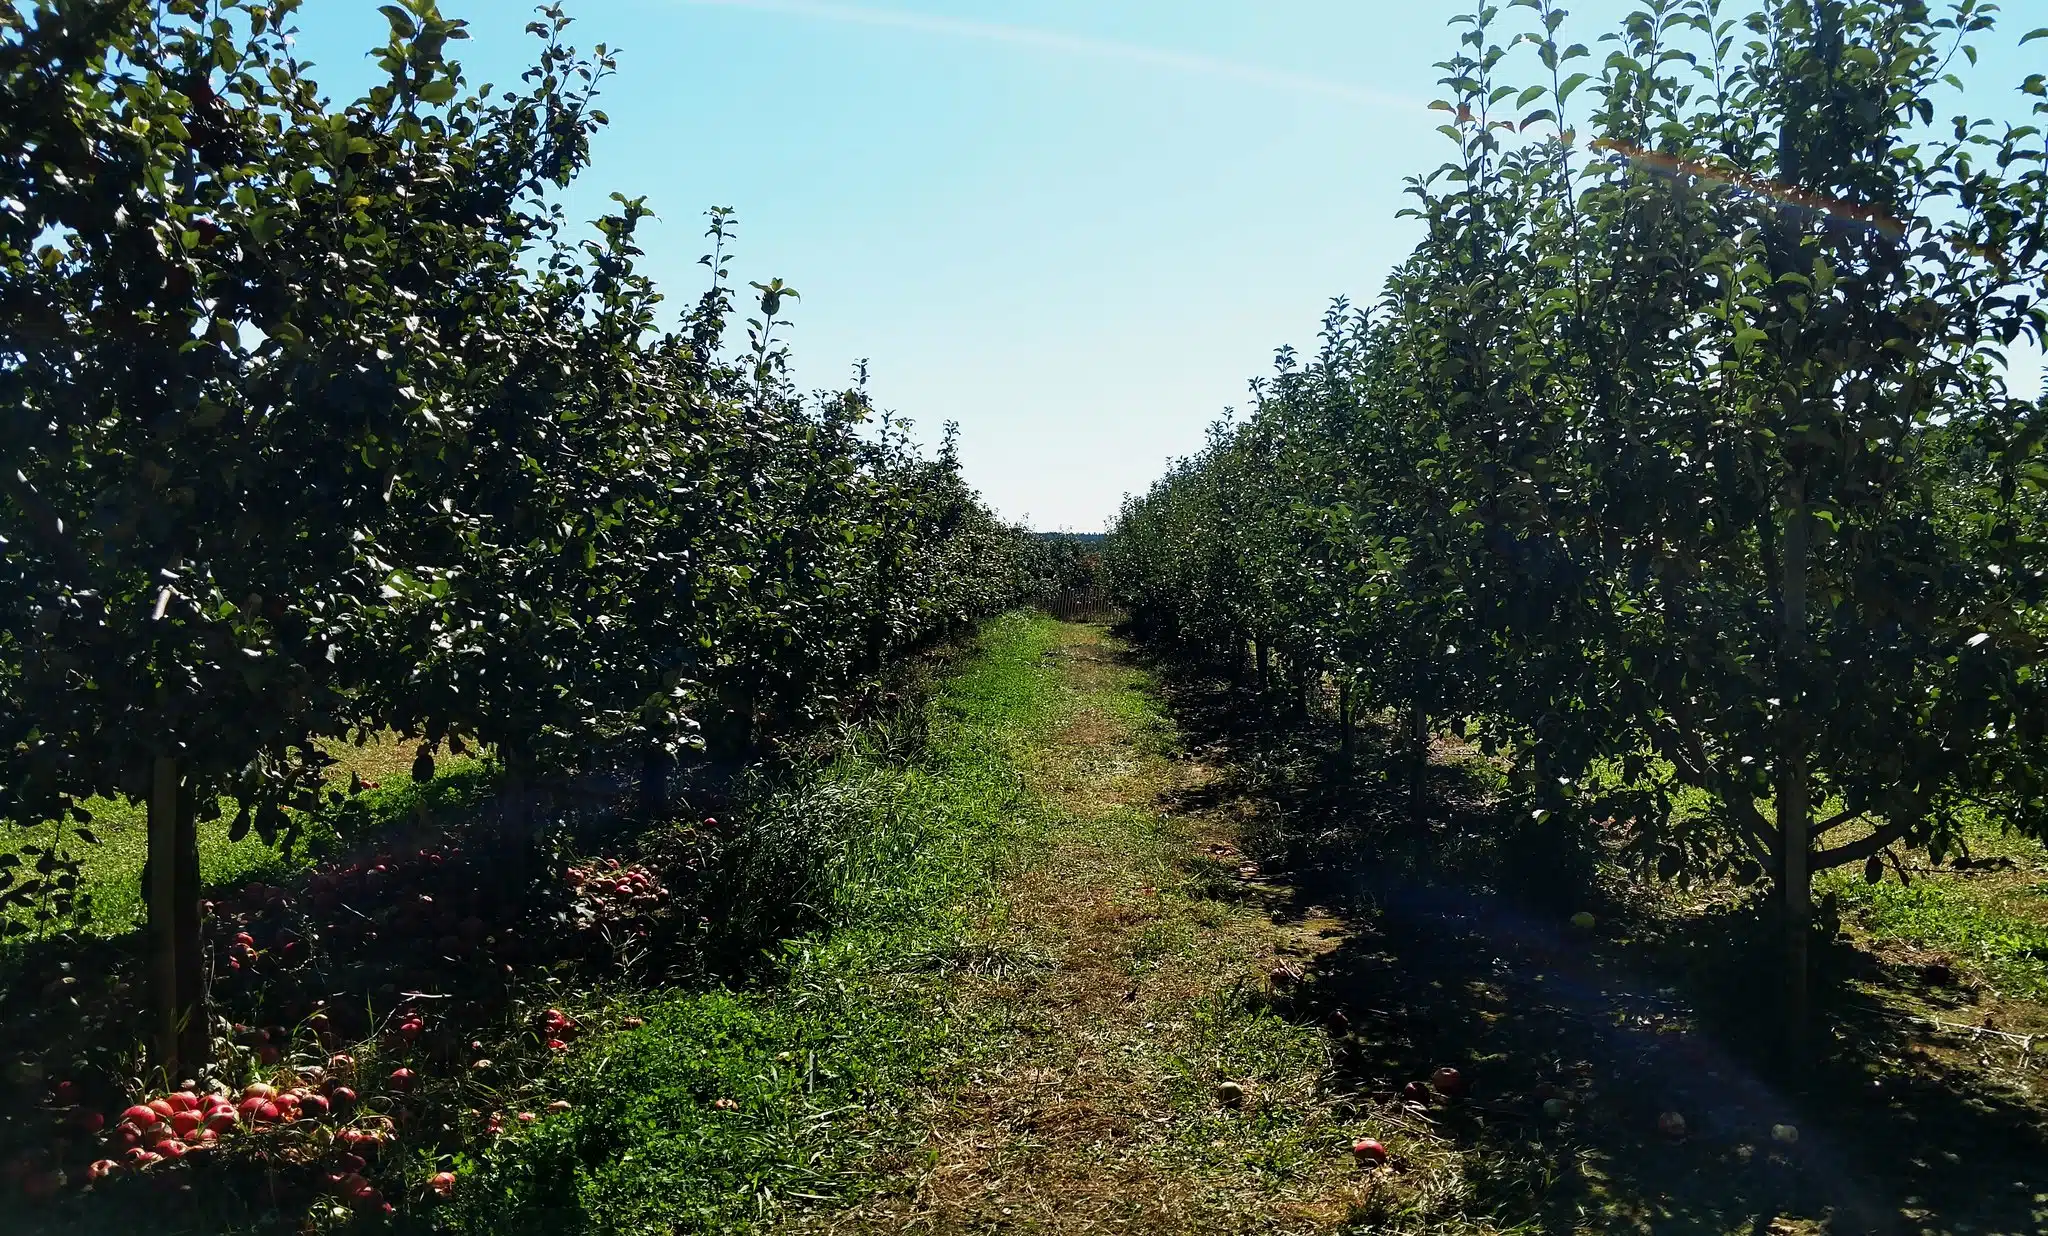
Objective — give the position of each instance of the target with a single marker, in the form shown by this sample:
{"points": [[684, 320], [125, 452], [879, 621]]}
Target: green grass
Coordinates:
{"points": [[110, 872], [817, 1063], [1952, 916]]}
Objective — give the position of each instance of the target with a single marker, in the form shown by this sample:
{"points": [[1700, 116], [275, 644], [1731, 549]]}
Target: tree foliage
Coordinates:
{"points": [[323, 421], [1681, 444]]}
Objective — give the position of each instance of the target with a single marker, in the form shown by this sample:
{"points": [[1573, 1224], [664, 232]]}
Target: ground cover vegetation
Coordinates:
{"points": [[1676, 469], [354, 504]]}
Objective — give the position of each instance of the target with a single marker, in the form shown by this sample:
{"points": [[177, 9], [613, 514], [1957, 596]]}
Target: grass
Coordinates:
{"points": [[728, 1106], [110, 872], [1990, 921]]}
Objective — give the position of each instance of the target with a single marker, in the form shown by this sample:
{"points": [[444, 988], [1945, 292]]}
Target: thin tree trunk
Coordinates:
{"points": [[1418, 760], [1344, 736], [177, 996], [1793, 805], [654, 766], [195, 1031]]}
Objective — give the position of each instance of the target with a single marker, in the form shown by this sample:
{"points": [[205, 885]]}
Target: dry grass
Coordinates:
{"points": [[1086, 1103]]}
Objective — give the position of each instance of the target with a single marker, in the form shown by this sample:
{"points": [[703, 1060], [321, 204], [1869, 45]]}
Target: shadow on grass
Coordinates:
{"points": [[1463, 954], [455, 902]]}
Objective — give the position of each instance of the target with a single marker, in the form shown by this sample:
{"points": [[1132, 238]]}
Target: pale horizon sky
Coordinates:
{"points": [[1077, 229]]}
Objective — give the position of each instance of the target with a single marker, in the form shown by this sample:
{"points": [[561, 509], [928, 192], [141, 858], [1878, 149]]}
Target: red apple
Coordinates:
{"points": [[141, 1117], [402, 1079], [442, 1183], [1416, 1092], [102, 1168], [1448, 1081]]}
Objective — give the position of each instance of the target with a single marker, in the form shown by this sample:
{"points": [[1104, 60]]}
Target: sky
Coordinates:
{"points": [[1076, 228]]}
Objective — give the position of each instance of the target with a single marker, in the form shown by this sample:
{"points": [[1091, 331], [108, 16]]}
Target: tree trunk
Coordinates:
{"points": [[1345, 741], [1418, 760], [1793, 823], [177, 978], [654, 767], [195, 1030]]}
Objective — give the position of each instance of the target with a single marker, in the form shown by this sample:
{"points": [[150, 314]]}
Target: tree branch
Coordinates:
{"points": [[1855, 851], [1844, 817], [1694, 765]]}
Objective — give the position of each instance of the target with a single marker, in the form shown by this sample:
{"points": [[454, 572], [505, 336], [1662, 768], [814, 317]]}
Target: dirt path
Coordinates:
{"points": [[1131, 971]]}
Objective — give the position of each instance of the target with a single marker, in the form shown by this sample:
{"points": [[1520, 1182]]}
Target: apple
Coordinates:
{"points": [[559, 1105], [1448, 1081], [1583, 921], [341, 1095], [529, 1117], [402, 1079], [163, 1108], [102, 1168], [258, 1090], [1369, 1150], [184, 1122], [65, 1093], [90, 1122], [1784, 1133], [1229, 1093], [1671, 1124], [141, 1117], [1556, 1109], [1416, 1092], [442, 1183]]}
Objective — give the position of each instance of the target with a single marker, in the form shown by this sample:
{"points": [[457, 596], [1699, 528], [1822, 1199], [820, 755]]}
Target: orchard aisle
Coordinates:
{"points": [[1147, 1033], [1122, 987]]}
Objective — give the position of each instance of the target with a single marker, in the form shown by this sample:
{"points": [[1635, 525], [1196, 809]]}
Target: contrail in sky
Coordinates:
{"points": [[1074, 45]]}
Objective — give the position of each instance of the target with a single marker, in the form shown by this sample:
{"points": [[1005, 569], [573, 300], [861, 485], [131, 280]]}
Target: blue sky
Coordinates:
{"points": [[1076, 228]]}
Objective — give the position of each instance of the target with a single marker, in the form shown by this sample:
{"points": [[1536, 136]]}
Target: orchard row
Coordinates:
{"points": [[323, 422], [1680, 449]]}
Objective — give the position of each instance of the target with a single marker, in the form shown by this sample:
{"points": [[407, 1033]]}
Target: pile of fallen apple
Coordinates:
{"points": [[434, 938]]}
